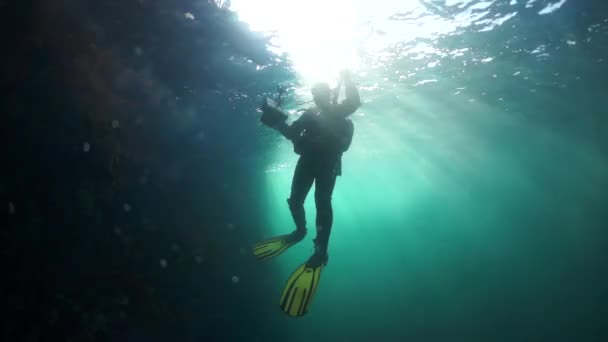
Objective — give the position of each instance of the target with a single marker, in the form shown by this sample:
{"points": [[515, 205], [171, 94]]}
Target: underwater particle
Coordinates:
{"points": [[235, 279], [115, 124], [117, 230], [163, 263], [198, 259], [138, 51], [86, 147], [571, 42], [189, 15], [423, 82], [175, 247], [516, 73], [552, 7], [11, 208], [230, 226], [122, 315], [126, 207]]}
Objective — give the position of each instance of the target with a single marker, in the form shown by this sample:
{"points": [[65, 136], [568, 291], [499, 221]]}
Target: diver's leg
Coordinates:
{"points": [[324, 187], [303, 178]]}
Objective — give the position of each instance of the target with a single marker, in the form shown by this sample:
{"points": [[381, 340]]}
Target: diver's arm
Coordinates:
{"points": [[285, 129], [352, 101], [291, 131]]}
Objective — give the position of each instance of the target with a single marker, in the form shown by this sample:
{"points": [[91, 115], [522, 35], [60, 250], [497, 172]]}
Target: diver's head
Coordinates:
{"points": [[321, 94]]}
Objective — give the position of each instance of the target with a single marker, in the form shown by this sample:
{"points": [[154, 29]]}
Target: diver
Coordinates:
{"points": [[320, 136]]}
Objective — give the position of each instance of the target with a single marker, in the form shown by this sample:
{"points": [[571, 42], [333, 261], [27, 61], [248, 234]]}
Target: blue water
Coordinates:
{"points": [[137, 175]]}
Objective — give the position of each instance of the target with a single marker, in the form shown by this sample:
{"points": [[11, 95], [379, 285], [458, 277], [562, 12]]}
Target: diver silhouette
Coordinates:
{"points": [[320, 136]]}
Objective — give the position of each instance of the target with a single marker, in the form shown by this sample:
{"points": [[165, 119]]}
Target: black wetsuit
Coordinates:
{"points": [[320, 138]]}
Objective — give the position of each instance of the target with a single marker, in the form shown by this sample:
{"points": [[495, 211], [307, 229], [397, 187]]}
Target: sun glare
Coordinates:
{"points": [[319, 36]]}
